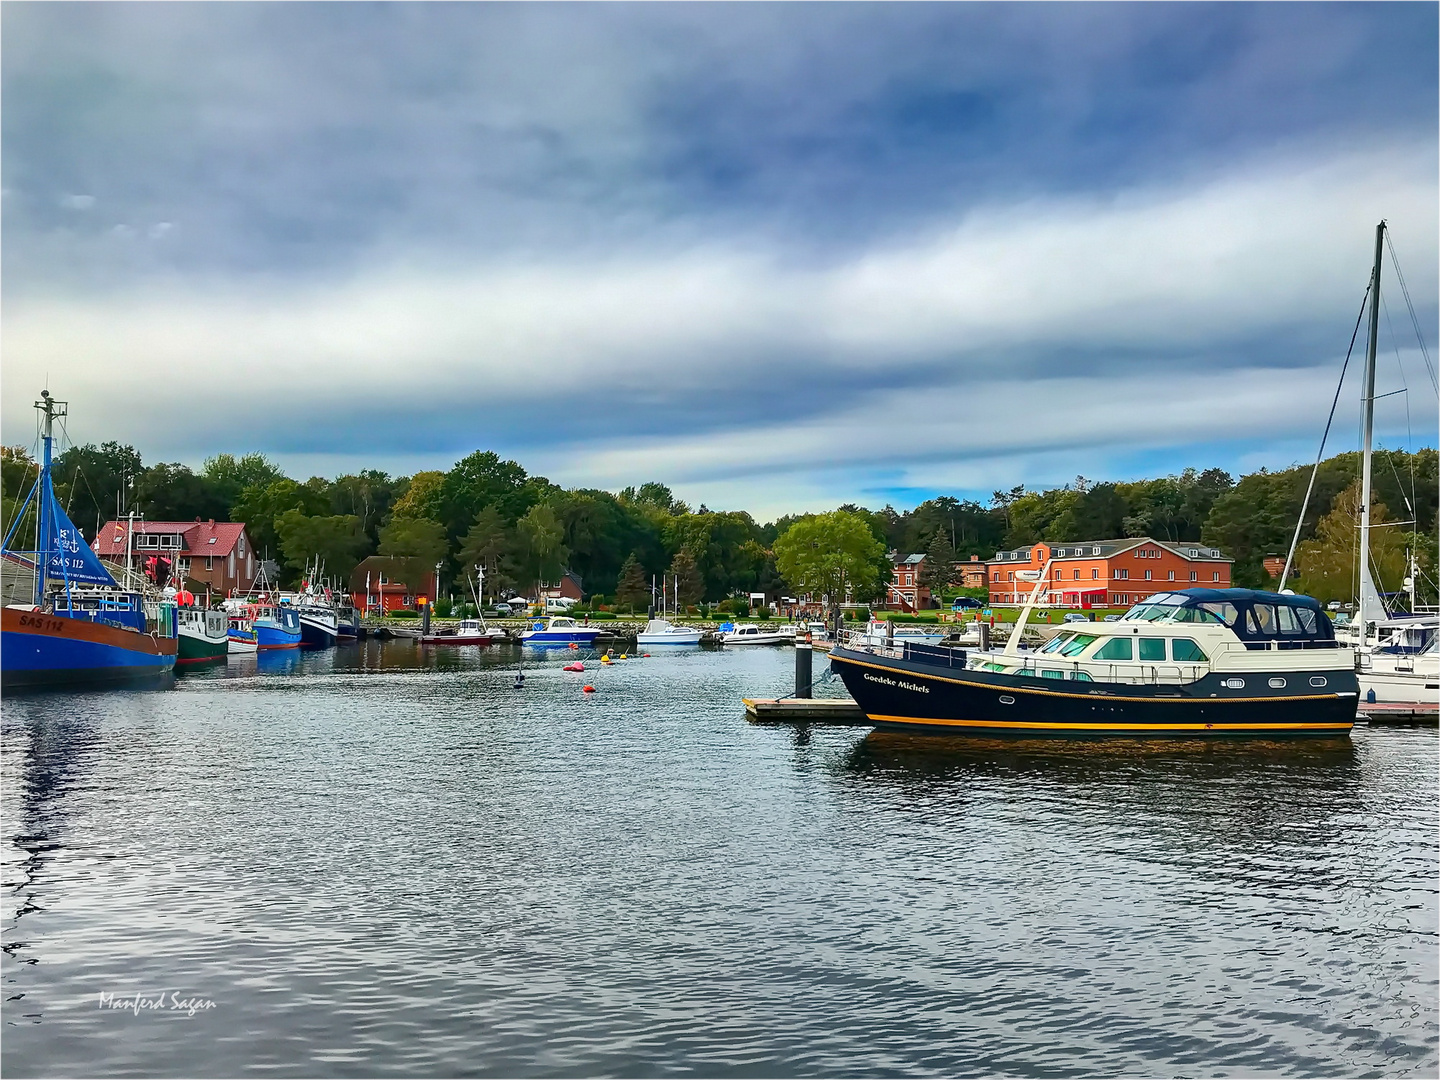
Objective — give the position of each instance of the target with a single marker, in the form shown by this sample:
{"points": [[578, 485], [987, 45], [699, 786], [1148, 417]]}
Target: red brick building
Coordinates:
{"points": [[217, 555], [568, 588], [905, 593], [1106, 573], [377, 584]]}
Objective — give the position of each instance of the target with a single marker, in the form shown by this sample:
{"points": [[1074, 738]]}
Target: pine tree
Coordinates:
{"points": [[939, 567], [631, 588]]}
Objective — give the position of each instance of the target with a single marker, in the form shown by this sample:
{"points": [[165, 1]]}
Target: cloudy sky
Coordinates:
{"points": [[778, 257]]}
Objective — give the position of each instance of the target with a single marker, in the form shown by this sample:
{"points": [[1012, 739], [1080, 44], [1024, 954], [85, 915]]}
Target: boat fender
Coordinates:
{"points": [[589, 689]]}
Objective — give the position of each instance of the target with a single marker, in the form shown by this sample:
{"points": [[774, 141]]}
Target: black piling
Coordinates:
{"points": [[803, 655]]}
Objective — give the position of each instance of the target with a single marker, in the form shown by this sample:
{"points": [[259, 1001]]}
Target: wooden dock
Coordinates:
{"points": [[1379, 714], [805, 710]]}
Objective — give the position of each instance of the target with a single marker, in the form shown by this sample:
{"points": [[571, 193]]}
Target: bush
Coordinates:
{"points": [[596, 616], [443, 607], [762, 613], [404, 613]]}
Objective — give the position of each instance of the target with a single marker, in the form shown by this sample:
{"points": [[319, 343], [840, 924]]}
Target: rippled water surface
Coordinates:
{"points": [[382, 861]]}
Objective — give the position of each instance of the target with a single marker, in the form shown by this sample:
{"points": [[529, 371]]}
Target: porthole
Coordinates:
{"points": [[1235, 684], [1006, 699], [1317, 680], [1277, 684]]}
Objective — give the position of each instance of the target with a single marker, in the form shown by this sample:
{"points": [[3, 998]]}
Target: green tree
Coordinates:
{"points": [[18, 473], [541, 544], [1329, 564], [632, 588], [830, 554], [422, 498], [479, 480], [420, 544], [487, 544], [369, 494], [685, 579], [259, 507], [174, 493], [96, 484], [230, 476], [337, 541], [938, 570]]}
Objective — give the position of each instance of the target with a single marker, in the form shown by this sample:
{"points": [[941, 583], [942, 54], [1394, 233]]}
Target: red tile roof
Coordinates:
{"points": [[195, 536]]}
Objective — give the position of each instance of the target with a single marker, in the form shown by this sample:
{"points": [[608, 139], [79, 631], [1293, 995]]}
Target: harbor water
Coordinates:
{"points": [[386, 860]]}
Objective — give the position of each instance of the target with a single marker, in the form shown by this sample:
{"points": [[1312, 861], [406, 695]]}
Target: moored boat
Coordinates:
{"points": [[1193, 662], [881, 632], [754, 634], [79, 626], [559, 630], [319, 626], [204, 635], [469, 632], [664, 632]]}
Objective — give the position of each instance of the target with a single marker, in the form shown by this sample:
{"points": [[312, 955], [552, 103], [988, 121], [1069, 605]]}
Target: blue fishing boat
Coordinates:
{"points": [[77, 625]]}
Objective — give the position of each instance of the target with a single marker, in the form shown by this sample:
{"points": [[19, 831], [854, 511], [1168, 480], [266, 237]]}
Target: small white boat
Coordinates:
{"points": [[753, 634], [560, 630], [663, 632], [876, 632], [469, 632], [1400, 678]]}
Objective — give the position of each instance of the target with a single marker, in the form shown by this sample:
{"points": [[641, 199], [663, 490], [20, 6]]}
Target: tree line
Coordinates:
{"points": [[522, 529]]}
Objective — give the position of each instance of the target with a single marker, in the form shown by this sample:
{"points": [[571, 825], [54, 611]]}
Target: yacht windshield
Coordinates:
{"points": [[1060, 639]]}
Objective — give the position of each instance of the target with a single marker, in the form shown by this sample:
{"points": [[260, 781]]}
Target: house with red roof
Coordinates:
{"points": [[214, 554]]}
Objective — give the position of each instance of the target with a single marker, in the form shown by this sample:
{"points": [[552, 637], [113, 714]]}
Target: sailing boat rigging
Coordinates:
{"points": [[80, 625]]}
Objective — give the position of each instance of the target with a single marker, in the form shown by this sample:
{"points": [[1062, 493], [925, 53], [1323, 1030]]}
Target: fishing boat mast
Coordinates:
{"points": [[49, 409], [1367, 404]]}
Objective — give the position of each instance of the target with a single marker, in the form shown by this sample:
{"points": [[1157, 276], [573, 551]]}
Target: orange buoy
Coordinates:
{"points": [[573, 645], [589, 689]]}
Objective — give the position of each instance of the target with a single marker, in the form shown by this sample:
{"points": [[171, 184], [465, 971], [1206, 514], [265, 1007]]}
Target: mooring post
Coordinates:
{"points": [[803, 653], [984, 629], [425, 618], [890, 632]]}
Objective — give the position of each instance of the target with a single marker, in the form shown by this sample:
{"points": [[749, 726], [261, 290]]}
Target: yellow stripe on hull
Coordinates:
{"points": [[1042, 726]]}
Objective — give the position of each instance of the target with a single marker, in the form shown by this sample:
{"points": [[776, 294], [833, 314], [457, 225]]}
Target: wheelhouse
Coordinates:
{"points": [[1261, 620]]}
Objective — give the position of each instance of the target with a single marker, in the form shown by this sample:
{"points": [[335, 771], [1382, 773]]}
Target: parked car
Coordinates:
{"points": [[1112, 618], [1075, 616], [966, 603]]}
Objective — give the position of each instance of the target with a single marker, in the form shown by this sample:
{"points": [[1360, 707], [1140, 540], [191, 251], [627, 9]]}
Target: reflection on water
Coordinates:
{"points": [[886, 753], [385, 859]]}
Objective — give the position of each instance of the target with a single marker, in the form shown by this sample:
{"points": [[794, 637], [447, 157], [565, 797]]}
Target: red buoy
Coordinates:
{"points": [[589, 689]]}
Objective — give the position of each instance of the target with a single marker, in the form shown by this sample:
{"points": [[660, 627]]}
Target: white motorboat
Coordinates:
{"points": [[663, 632], [878, 632], [560, 630], [754, 634], [1400, 678]]}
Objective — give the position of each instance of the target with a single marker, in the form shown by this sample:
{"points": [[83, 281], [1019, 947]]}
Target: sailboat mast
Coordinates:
{"points": [[1367, 404]]}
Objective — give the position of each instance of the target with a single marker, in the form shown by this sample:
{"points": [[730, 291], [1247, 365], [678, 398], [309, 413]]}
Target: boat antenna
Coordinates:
{"points": [[1305, 505]]}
